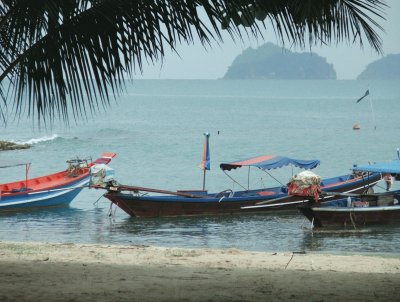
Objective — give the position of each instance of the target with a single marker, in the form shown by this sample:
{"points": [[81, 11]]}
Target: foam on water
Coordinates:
{"points": [[38, 140]]}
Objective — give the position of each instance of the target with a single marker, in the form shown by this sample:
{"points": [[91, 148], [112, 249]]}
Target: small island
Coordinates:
{"points": [[5, 145], [387, 68], [273, 62]]}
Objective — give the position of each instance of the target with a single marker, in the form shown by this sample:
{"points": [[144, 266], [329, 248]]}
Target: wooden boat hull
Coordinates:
{"points": [[322, 217], [146, 207], [155, 206], [366, 209]]}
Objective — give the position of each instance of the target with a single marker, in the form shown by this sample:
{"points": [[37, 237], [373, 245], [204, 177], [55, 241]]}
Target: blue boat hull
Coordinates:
{"points": [[57, 196]]}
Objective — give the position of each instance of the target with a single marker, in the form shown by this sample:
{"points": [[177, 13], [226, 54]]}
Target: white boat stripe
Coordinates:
{"points": [[58, 193]]}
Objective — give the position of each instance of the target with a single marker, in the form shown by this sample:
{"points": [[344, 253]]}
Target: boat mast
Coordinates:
{"points": [[204, 179], [27, 166], [248, 179], [205, 162]]}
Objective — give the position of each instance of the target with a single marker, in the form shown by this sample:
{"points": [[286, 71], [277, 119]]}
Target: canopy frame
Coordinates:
{"points": [[265, 163], [27, 167]]}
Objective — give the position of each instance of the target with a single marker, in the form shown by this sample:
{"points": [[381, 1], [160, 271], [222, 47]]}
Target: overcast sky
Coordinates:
{"points": [[195, 62]]}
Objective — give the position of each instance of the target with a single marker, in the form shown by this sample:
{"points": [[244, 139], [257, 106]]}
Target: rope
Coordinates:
{"points": [[262, 182], [352, 220], [261, 179], [110, 210], [97, 201], [234, 180], [273, 177], [115, 210]]}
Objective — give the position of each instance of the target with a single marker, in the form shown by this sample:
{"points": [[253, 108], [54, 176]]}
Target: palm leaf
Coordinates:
{"points": [[68, 57]]}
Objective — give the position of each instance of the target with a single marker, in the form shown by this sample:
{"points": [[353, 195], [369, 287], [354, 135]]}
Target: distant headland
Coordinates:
{"points": [[273, 62], [270, 61], [387, 68]]}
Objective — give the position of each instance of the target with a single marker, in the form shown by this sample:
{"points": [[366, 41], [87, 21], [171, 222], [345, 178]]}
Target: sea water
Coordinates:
{"points": [[156, 127]]}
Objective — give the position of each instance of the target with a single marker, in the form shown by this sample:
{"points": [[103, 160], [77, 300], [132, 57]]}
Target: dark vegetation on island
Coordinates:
{"points": [[270, 61], [387, 68]]}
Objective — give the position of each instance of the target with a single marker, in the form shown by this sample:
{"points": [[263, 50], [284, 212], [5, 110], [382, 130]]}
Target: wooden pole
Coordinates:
{"points": [[137, 189], [204, 179], [26, 174], [248, 179]]}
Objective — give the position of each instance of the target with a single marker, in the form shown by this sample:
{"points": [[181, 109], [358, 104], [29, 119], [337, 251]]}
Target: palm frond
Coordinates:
{"points": [[63, 57]]}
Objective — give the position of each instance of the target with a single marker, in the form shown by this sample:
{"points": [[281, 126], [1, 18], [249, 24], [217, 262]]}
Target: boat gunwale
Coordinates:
{"points": [[54, 183]]}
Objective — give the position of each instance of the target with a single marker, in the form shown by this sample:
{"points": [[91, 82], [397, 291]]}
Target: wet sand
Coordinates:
{"points": [[86, 272]]}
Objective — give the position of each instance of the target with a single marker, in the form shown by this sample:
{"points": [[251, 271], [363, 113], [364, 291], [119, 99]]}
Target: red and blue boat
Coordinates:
{"points": [[135, 201], [55, 189]]}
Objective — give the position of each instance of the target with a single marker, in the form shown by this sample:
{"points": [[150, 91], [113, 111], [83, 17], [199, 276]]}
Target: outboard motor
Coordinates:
{"points": [[102, 175]]}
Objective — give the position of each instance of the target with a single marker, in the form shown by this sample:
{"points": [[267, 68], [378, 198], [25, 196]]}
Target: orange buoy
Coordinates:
{"points": [[356, 127]]}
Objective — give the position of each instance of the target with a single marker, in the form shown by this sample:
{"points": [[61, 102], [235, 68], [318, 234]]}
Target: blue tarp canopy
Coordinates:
{"points": [[392, 167], [268, 162]]}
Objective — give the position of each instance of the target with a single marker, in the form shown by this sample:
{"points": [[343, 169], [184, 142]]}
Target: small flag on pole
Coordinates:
{"points": [[365, 94], [205, 162]]}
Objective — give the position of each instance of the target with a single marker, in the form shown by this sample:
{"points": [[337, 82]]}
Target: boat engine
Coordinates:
{"points": [[102, 175]]}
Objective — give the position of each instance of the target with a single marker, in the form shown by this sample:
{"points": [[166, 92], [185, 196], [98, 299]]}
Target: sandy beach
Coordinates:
{"points": [[86, 272]]}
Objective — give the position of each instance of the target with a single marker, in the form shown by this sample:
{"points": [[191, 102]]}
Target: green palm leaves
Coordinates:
{"points": [[63, 58]]}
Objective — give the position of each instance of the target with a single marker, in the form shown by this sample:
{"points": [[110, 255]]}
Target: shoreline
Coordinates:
{"points": [[93, 272]]}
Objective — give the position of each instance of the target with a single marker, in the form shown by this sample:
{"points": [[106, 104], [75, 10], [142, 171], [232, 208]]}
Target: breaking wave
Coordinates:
{"points": [[33, 141]]}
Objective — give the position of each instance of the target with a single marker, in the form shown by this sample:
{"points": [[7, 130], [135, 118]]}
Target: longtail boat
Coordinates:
{"points": [[49, 190], [357, 210], [135, 201]]}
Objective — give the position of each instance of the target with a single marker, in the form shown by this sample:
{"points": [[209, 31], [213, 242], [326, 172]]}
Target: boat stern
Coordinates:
{"points": [[310, 214]]}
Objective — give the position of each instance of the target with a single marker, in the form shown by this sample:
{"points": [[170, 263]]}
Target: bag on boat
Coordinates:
{"points": [[305, 183], [101, 174]]}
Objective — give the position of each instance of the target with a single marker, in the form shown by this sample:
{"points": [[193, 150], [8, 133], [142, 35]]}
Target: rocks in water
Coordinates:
{"points": [[5, 145]]}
